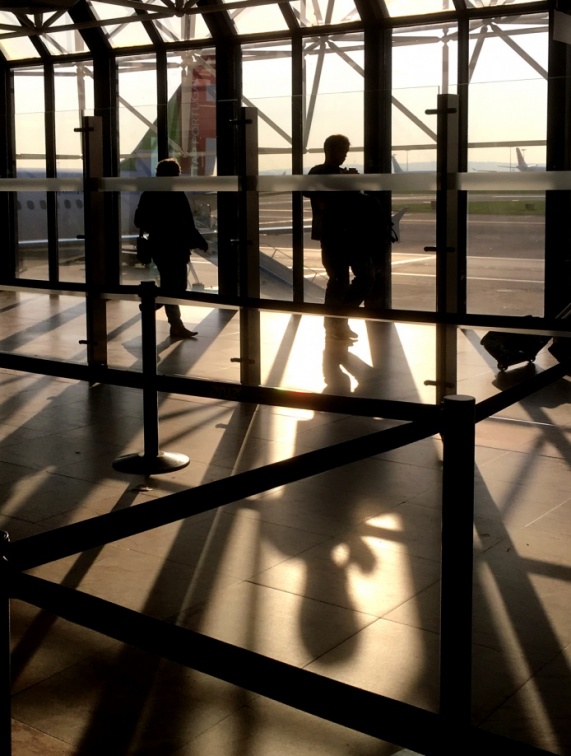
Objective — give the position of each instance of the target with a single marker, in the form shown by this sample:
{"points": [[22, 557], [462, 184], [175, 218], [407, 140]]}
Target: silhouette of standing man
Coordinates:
{"points": [[168, 219], [339, 224]]}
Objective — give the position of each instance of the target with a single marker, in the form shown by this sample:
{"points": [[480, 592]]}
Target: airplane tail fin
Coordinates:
{"points": [[396, 166], [191, 114], [521, 164]]}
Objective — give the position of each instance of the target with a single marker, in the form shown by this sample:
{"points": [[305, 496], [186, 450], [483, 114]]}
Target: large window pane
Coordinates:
{"points": [[137, 141], [73, 99], [334, 69], [507, 132], [424, 66], [32, 222], [192, 111], [267, 70]]}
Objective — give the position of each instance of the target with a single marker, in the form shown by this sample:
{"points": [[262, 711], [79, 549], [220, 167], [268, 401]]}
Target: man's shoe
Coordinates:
{"points": [[341, 333], [180, 332], [349, 333]]}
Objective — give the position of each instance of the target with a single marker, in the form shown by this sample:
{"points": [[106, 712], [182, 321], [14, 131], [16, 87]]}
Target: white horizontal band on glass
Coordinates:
{"points": [[401, 182]]}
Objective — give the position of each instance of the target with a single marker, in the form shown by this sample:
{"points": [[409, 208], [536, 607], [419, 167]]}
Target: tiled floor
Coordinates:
{"points": [[338, 573]]}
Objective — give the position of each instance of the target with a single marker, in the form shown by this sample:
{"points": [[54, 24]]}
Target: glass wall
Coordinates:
{"points": [[507, 133], [425, 63], [73, 90], [138, 146], [30, 143], [266, 70], [334, 87], [191, 113], [507, 126]]}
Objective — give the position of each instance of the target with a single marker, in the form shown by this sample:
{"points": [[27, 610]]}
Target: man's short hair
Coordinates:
{"points": [[336, 140], [168, 167]]}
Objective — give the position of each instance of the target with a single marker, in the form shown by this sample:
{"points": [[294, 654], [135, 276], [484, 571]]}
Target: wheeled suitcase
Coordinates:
{"points": [[512, 348]]}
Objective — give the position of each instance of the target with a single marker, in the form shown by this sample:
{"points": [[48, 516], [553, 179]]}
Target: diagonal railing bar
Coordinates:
{"points": [[349, 405], [488, 407], [361, 710], [80, 536], [335, 403]]}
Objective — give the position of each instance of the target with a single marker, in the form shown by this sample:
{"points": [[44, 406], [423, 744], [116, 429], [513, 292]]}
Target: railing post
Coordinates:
{"points": [[151, 461], [457, 563], [249, 246], [450, 244], [5, 650], [95, 240]]}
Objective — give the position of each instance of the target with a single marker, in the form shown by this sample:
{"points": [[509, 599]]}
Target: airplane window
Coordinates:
{"points": [[19, 205], [43, 204], [67, 204], [30, 204], [79, 204]]}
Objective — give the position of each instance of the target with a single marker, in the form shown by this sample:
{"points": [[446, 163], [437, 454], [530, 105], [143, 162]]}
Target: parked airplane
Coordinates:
{"points": [[397, 168], [523, 166]]}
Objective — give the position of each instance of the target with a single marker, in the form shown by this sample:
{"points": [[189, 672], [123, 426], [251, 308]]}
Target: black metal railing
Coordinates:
{"points": [[390, 720]]}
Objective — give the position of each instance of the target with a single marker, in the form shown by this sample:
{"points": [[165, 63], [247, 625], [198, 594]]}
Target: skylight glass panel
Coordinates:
{"points": [[14, 47], [494, 3], [178, 29], [123, 27], [323, 12], [418, 7], [65, 41], [258, 19]]}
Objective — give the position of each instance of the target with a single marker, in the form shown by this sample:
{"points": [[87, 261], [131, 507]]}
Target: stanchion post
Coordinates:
{"points": [[457, 563], [151, 461], [5, 650], [148, 294]]}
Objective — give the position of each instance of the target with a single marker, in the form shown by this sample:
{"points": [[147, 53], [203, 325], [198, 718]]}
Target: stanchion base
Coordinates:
{"points": [[164, 462]]}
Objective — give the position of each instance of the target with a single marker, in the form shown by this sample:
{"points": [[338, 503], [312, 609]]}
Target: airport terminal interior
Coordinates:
{"points": [[263, 541]]}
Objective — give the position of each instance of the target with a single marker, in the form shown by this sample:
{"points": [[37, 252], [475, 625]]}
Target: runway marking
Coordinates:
{"points": [[414, 260], [476, 278]]}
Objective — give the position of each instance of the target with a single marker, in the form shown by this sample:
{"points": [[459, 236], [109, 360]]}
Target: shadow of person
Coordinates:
{"points": [[335, 354], [332, 579], [341, 368]]}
